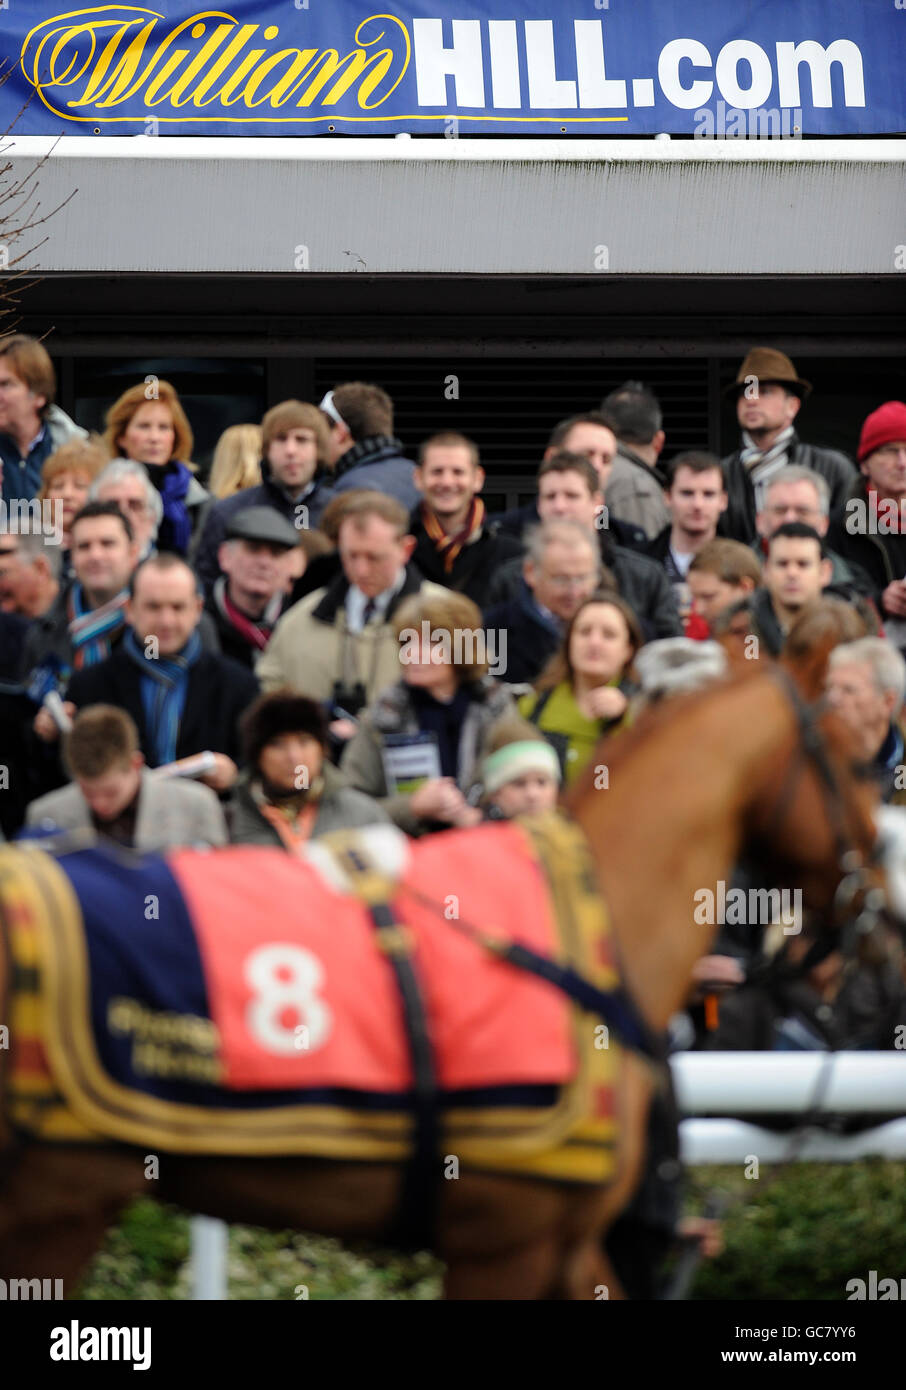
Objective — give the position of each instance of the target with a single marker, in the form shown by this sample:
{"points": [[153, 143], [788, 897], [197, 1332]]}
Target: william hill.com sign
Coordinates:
{"points": [[542, 67]]}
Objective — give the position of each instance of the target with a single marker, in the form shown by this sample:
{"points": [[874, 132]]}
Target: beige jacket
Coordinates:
{"points": [[171, 812], [312, 648]]}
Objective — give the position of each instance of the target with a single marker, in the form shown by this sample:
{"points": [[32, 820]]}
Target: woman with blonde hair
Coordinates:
{"points": [[419, 746], [67, 475], [148, 424], [237, 461]]}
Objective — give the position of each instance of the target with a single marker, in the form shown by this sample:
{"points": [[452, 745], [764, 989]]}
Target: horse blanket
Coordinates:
{"points": [[237, 1001]]}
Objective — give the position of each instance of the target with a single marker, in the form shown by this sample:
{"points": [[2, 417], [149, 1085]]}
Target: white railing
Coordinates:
{"points": [[737, 1083]]}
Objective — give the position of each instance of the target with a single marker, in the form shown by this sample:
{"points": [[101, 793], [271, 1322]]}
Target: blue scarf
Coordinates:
{"points": [[174, 485], [92, 630], [164, 683]]}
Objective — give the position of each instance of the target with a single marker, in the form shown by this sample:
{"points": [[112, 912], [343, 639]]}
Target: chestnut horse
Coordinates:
{"points": [[742, 764]]}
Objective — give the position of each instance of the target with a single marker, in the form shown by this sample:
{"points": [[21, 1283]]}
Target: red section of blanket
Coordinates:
{"points": [[303, 997]]}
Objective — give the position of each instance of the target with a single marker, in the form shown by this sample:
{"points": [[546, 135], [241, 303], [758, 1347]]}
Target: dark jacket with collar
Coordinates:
{"points": [[378, 463], [738, 521], [764, 623], [659, 550], [229, 640], [475, 565], [645, 587], [267, 493], [640, 581], [531, 638], [48, 639], [882, 557], [219, 690]]}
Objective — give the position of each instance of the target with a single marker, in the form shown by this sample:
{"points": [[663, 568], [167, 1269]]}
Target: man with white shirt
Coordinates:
{"points": [[338, 644]]}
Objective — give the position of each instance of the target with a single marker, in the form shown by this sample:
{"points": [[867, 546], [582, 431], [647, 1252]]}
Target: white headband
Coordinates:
{"points": [[515, 760]]}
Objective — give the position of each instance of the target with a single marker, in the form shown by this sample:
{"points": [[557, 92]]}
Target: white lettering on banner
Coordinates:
{"points": [[546, 90], [596, 89], [505, 83], [668, 65], [434, 62], [129, 64], [819, 59]]}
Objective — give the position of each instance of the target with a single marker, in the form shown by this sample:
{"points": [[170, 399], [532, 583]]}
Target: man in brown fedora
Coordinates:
{"points": [[768, 395]]}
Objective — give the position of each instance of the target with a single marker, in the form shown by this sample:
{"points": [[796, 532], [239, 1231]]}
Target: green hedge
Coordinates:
{"points": [[802, 1236]]}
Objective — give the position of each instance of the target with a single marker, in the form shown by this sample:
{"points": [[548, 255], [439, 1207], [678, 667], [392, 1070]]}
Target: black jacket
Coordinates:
{"points": [[265, 494], [219, 691], [645, 587], [531, 641], [764, 621], [48, 640], [640, 581], [229, 641], [882, 557], [659, 551], [475, 565], [738, 521]]}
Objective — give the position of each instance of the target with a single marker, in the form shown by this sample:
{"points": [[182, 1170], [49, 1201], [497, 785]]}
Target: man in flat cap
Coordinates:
{"points": [[769, 393], [252, 590]]}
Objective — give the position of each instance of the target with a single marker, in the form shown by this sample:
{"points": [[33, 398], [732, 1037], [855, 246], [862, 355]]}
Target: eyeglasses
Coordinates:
{"points": [[572, 581], [891, 451], [330, 409]]}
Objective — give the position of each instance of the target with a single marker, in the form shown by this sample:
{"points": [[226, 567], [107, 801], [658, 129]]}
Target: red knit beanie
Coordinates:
{"points": [[883, 426]]}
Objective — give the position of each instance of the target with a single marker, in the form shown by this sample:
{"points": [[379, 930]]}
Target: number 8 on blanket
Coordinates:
{"points": [[286, 1014]]}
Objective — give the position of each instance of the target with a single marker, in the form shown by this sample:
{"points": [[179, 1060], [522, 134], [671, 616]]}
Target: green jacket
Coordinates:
{"points": [[574, 736]]}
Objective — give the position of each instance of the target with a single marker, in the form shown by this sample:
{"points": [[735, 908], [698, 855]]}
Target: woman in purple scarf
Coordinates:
{"points": [[148, 424]]}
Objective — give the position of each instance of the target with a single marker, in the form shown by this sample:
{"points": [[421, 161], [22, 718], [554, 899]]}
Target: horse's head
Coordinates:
{"points": [[816, 823]]}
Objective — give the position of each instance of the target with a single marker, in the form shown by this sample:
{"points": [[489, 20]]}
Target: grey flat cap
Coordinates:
{"points": [[262, 524]]}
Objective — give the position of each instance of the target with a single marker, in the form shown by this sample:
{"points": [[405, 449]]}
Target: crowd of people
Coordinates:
{"points": [[331, 634]]}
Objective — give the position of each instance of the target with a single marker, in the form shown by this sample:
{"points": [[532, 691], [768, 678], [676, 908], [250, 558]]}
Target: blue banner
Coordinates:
{"points": [[752, 68]]}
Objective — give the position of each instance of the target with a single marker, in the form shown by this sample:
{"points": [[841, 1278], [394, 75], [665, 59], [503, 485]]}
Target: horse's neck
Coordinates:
{"points": [[671, 823]]}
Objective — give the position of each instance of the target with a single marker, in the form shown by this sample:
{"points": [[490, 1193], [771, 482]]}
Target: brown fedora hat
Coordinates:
{"points": [[769, 365]]}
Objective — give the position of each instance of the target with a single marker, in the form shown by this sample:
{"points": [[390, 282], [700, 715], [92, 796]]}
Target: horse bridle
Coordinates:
{"points": [[855, 867]]}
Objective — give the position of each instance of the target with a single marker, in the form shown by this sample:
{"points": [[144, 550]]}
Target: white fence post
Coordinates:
{"points": [[209, 1258]]}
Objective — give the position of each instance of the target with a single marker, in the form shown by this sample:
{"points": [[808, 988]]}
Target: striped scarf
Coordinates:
{"points": [[92, 630], [448, 547], [762, 464], [164, 683], [255, 631]]}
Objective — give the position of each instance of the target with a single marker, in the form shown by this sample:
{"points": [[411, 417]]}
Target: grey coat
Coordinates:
{"points": [[635, 493], [340, 808], [171, 812], [393, 713]]}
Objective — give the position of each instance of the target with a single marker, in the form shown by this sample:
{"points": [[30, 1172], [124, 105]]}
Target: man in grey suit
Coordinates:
{"points": [[114, 795]]}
